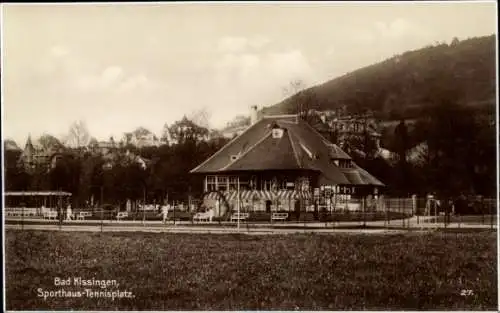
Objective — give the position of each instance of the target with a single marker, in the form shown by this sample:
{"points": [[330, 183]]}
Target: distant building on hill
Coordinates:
{"points": [[140, 138], [103, 147], [240, 123], [35, 156]]}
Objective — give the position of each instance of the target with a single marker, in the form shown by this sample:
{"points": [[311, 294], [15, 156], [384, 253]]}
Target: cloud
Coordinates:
{"points": [[231, 44], [113, 80], [366, 37], [59, 51], [258, 42], [244, 79], [396, 28], [289, 64], [330, 50], [134, 82], [111, 75]]}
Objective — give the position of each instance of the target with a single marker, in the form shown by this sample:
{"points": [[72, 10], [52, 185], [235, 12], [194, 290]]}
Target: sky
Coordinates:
{"points": [[118, 67]]}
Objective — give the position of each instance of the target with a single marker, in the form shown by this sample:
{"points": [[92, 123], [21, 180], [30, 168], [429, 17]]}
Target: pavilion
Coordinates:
{"points": [[280, 163]]}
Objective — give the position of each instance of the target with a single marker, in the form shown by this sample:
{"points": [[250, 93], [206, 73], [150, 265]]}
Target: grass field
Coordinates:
{"points": [[467, 219], [239, 272]]}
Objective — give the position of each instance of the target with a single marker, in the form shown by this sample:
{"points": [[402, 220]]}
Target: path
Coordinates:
{"points": [[413, 224]]}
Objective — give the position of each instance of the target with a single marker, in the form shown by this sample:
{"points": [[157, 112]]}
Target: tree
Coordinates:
{"points": [[9, 144], [401, 148], [78, 135], [185, 131], [165, 135], [296, 91], [452, 136], [201, 117], [49, 142], [61, 174], [15, 177]]}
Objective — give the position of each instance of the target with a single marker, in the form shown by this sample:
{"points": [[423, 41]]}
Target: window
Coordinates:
{"points": [[222, 183], [234, 158], [233, 183], [345, 163], [267, 184], [305, 184], [211, 183], [253, 182], [277, 133], [342, 163]]}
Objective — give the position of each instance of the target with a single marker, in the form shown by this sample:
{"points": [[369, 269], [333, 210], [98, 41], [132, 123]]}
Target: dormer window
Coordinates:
{"points": [[342, 163], [234, 157], [277, 133]]}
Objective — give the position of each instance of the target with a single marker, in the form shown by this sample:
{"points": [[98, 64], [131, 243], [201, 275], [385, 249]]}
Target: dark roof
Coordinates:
{"points": [[269, 153], [300, 148]]}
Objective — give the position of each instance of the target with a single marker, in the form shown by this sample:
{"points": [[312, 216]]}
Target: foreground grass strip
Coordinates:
{"points": [[242, 272]]}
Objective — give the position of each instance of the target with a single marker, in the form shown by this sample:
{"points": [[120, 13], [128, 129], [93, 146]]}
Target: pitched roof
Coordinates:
{"points": [[269, 153], [300, 147]]}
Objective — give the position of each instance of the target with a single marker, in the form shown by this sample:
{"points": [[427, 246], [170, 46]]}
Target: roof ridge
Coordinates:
{"points": [[279, 116], [294, 149], [269, 133], [224, 147], [315, 131]]}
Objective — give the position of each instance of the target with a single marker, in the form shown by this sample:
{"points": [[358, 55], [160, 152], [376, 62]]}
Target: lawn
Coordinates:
{"points": [[242, 272], [467, 219]]}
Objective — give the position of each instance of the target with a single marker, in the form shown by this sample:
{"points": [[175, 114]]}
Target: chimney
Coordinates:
{"points": [[253, 114]]}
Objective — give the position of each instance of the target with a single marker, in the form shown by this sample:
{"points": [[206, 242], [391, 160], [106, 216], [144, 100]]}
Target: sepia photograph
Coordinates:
{"points": [[250, 156]]}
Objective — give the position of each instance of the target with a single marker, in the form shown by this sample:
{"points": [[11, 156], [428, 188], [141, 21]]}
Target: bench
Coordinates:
{"points": [[203, 216], [50, 215], [121, 215], [20, 212], [239, 216], [279, 216], [83, 215]]}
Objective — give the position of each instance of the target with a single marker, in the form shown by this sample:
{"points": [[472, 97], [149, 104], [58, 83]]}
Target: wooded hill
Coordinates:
{"points": [[404, 85]]}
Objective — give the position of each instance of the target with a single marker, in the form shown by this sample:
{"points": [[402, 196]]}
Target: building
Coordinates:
{"points": [[140, 138], [240, 123], [103, 147], [281, 163], [35, 156], [342, 128]]}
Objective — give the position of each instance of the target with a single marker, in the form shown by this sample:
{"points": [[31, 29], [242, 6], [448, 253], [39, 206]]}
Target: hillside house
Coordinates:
{"points": [[36, 156]]}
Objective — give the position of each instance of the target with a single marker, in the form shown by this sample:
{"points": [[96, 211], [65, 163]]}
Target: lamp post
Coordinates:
{"points": [[239, 204], [143, 205], [22, 213], [102, 207], [364, 209], [61, 217]]}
